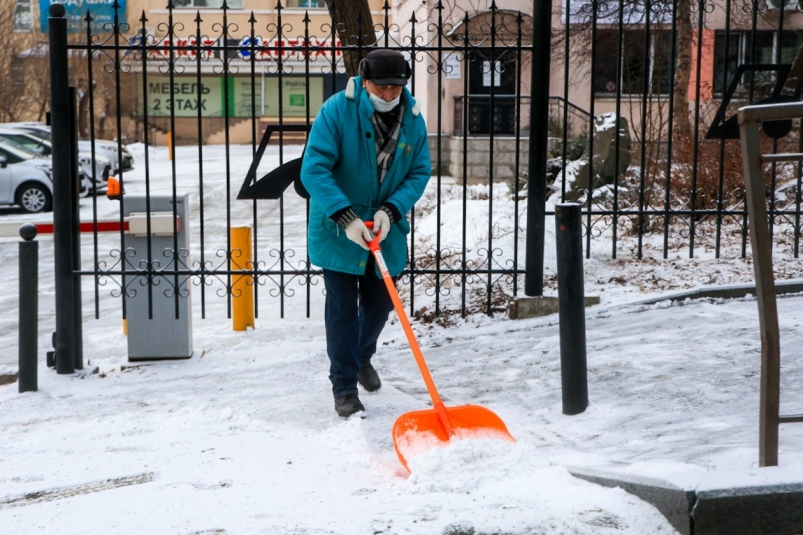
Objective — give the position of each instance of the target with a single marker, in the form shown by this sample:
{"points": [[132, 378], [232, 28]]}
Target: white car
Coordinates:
{"points": [[36, 144], [103, 147], [109, 150], [24, 180]]}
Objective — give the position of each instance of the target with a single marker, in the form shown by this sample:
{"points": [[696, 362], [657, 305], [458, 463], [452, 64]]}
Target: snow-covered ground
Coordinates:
{"points": [[243, 438]]}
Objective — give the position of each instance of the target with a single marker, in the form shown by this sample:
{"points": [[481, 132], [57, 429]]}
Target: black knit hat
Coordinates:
{"points": [[385, 67]]}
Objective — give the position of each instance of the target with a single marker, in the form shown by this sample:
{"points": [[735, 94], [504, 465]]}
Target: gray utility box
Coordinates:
{"points": [[166, 334]]}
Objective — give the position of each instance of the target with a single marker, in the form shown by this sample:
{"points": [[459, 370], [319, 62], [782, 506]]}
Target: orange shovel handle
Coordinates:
{"points": [[373, 245]]}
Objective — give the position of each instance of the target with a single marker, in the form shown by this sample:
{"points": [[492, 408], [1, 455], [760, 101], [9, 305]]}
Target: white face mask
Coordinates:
{"points": [[381, 105]]}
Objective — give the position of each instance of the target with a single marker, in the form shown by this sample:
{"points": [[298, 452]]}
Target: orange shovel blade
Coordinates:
{"points": [[417, 432]]}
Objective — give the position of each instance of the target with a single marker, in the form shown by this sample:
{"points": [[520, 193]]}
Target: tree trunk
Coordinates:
{"points": [[83, 114], [680, 113], [355, 28], [104, 115]]}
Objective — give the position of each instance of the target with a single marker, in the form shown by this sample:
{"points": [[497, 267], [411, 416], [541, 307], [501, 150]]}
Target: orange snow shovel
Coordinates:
{"points": [[419, 431]]}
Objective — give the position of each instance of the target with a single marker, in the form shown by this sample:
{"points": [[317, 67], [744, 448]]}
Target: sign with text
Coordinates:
{"points": [[179, 48], [185, 96], [452, 67], [186, 49], [294, 97], [290, 50], [101, 11]]}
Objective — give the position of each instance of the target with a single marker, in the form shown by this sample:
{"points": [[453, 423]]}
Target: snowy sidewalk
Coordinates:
{"points": [[245, 440]]}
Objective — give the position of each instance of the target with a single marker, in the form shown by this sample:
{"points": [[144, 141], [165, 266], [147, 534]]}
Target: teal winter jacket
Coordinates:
{"points": [[339, 170]]}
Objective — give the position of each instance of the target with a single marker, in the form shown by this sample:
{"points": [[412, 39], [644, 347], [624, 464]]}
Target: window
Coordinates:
{"points": [[10, 157], [636, 48], [758, 47], [661, 81], [199, 4], [305, 4], [14, 151], [31, 144], [791, 41], [725, 59], [23, 16], [763, 47]]}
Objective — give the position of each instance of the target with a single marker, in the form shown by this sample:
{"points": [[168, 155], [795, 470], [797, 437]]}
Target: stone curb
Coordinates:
{"points": [[731, 291], [766, 510], [530, 307], [533, 307], [674, 503]]}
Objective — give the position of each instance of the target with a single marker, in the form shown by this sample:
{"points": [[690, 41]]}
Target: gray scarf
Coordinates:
{"points": [[386, 140]]}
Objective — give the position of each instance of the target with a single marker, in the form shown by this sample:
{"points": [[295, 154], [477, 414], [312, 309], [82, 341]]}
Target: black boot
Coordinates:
{"points": [[348, 405], [368, 378]]}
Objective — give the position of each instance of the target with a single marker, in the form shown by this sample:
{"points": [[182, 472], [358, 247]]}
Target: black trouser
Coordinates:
{"points": [[357, 308]]}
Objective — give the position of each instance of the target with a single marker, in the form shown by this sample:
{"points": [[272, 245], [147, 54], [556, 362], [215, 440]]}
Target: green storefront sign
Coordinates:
{"points": [[187, 97], [242, 96]]}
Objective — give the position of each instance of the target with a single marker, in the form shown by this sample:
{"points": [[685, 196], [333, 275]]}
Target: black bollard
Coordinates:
{"points": [[571, 303], [29, 308]]}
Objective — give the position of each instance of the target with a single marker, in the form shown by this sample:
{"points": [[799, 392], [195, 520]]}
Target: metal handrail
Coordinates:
{"points": [[480, 96], [495, 96], [580, 115], [770, 112], [571, 105], [750, 119]]}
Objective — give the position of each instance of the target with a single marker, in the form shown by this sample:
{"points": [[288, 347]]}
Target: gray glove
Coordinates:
{"points": [[357, 232]]}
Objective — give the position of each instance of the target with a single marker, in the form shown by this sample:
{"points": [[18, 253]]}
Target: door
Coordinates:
{"points": [[492, 73]]}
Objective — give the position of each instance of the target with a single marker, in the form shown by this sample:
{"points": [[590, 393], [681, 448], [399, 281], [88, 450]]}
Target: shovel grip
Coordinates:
{"points": [[373, 245]]}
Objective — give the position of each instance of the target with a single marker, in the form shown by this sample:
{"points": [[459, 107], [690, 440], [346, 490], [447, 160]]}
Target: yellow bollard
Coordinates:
{"points": [[125, 327], [170, 145], [242, 290]]}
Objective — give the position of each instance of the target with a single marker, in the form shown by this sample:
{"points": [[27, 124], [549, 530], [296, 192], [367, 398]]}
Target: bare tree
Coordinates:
{"points": [[355, 28], [680, 87], [15, 78]]}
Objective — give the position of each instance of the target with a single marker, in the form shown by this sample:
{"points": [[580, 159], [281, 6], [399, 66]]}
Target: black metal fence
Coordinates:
{"points": [[674, 72], [657, 71], [160, 77]]}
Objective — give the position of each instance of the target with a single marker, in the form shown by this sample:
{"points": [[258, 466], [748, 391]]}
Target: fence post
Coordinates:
{"points": [[28, 308], [76, 229], [62, 190], [242, 291], [571, 308], [538, 143]]}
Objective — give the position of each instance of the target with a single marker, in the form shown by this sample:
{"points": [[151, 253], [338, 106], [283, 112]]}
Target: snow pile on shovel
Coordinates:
{"points": [[465, 465]]}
